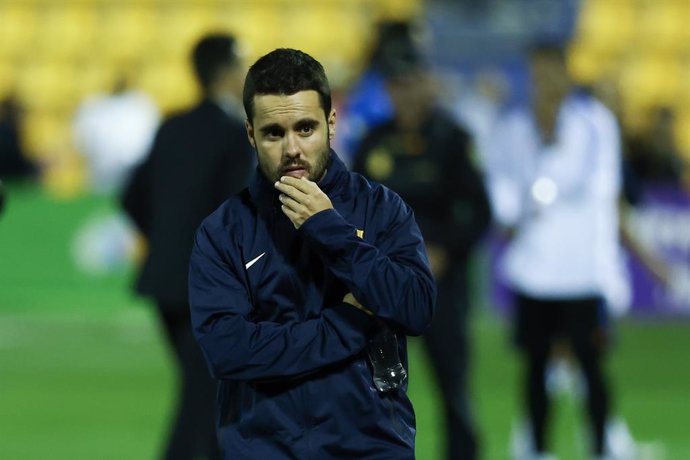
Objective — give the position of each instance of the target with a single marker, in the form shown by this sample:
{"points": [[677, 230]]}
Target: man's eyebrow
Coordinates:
{"points": [[306, 123], [270, 128]]}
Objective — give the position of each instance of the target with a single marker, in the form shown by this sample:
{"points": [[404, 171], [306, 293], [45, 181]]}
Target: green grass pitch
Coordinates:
{"points": [[84, 373]]}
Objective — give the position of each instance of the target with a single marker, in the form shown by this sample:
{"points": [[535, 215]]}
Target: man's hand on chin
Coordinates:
{"points": [[301, 198]]}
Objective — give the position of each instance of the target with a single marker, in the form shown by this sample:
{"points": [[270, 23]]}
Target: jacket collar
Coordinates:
{"points": [[264, 194]]}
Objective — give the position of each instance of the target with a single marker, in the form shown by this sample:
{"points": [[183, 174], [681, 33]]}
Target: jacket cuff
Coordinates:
{"points": [[329, 231], [354, 317]]}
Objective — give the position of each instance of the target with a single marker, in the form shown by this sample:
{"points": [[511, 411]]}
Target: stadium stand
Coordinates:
{"points": [[54, 53]]}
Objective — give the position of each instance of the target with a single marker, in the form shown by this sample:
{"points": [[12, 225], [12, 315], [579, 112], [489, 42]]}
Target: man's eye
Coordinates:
{"points": [[274, 133], [306, 129]]}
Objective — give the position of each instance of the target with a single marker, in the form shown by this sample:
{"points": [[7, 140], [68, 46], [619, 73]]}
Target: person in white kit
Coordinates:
{"points": [[114, 132], [554, 181]]}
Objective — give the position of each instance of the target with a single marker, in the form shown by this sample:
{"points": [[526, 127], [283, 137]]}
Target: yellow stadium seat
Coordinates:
{"points": [[649, 81], [67, 31], [260, 24], [171, 85], [360, 26], [683, 7], [55, 53], [46, 85], [587, 65], [17, 29], [313, 27], [662, 25], [177, 27], [46, 132], [126, 31], [93, 76], [606, 25], [8, 79]]}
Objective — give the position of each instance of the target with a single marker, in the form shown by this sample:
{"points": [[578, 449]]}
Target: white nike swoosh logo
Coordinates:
{"points": [[254, 260]]}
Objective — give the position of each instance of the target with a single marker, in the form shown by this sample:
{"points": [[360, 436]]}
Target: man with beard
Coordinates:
{"points": [[290, 279]]}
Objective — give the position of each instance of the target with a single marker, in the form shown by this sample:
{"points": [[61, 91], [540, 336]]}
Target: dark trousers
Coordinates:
{"points": [[192, 434], [579, 321], [448, 345]]}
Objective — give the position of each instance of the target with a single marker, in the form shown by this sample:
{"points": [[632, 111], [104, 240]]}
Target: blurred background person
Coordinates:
{"points": [[635, 182], [423, 155], [114, 132], [653, 154], [198, 159], [554, 170], [14, 162], [367, 102], [2, 197], [478, 103], [563, 377]]}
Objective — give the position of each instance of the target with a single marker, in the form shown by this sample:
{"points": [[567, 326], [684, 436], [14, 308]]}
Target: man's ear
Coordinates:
{"points": [[250, 132], [331, 124]]}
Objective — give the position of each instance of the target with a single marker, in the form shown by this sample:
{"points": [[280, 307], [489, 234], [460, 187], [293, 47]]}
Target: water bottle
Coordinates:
{"points": [[382, 350]]}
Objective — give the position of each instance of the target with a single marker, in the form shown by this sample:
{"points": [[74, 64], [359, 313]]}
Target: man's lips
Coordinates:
{"points": [[295, 171]]}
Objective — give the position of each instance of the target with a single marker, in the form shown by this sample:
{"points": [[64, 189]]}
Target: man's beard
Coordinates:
{"points": [[314, 172]]}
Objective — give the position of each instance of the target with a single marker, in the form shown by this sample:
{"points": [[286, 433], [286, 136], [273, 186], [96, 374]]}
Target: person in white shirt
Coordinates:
{"points": [[554, 181], [114, 132]]}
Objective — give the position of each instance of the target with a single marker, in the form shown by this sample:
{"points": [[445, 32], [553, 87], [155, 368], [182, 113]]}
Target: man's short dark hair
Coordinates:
{"points": [[211, 54], [285, 71]]}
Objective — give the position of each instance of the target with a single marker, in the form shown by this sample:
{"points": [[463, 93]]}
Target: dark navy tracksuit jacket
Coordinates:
{"points": [[267, 309]]}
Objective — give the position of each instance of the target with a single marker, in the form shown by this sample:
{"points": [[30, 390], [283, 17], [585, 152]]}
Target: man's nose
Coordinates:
{"points": [[291, 145]]}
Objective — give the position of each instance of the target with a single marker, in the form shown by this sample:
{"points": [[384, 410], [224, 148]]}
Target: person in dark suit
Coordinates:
{"points": [[198, 159], [14, 163], [2, 197]]}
